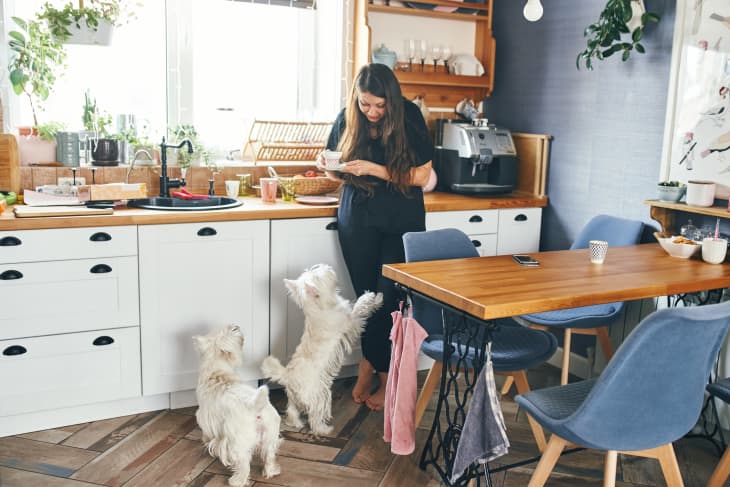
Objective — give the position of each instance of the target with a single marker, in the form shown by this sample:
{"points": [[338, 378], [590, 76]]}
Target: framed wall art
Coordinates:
{"points": [[697, 130]]}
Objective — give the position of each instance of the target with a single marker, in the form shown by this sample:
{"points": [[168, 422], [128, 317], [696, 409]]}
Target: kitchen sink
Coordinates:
{"points": [[168, 203]]}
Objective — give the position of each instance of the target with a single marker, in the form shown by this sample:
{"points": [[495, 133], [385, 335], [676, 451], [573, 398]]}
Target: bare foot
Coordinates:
{"points": [[364, 384], [376, 401]]}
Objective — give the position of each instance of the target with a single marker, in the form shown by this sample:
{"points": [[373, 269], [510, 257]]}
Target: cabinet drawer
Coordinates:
{"points": [[519, 230], [486, 245], [71, 243], [45, 298], [470, 222], [67, 370]]}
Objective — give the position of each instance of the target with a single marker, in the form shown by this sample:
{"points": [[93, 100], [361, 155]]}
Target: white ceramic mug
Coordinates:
{"points": [[714, 250], [700, 193], [232, 188]]}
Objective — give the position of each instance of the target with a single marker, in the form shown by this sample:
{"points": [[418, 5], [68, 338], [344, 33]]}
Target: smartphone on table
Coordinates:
{"points": [[525, 260]]}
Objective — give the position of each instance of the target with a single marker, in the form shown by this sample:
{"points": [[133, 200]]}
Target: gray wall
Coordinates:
{"points": [[607, 124]]}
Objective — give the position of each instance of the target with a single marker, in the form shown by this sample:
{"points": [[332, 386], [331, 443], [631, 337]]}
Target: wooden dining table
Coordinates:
{"points": [[489, 288]]}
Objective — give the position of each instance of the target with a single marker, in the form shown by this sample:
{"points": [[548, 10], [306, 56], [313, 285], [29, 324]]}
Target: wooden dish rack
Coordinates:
{"points": [[286, 141]]}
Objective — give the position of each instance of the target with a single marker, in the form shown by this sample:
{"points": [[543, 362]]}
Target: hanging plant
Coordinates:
{"points": [[90, 15], [611, 33]]}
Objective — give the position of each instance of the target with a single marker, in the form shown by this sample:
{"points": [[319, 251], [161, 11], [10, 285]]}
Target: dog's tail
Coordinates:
{"points": [[272, 369], [260, 399]]}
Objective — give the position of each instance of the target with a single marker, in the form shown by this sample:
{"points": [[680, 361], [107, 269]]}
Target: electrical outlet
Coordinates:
{"points": [[69, 181]]}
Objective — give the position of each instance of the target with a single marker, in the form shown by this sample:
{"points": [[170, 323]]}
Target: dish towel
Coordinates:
{"points": [[484, 435], [399, 426]]}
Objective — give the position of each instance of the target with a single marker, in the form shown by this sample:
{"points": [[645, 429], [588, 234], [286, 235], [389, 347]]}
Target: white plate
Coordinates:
{"points": [[337, 168], [317, 200]]}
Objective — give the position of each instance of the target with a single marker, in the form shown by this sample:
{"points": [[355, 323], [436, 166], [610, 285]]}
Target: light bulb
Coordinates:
{"points": [[532, 10]]}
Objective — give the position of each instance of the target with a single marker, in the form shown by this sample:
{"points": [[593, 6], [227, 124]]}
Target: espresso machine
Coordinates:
{"points": [[475, 158]]}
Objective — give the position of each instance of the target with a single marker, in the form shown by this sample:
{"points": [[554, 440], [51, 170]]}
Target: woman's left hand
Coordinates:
{"points": [[360, 167]]}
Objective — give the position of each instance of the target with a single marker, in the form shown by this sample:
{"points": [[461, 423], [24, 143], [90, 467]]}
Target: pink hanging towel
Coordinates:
{"points": [[400, 394]]}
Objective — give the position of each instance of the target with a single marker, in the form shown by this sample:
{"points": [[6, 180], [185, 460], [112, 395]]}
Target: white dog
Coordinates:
{"points": [[236, 419], [331, 326]]}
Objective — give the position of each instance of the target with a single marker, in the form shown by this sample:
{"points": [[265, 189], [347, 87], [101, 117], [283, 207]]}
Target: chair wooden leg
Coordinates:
{"points": [[566, 357], [609, 469], [507, 385], [670, 467], [523, 387], [432, 381], [547, 462], [722, 471], [605, 341]]}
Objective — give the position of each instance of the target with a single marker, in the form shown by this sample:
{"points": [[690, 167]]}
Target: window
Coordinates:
{"points": [[215, 64]]}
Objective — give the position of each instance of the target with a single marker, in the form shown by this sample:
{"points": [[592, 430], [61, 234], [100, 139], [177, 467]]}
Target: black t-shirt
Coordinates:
{"points": [[388, 206]]}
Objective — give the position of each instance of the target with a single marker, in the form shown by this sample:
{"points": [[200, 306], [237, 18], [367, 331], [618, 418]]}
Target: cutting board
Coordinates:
{"points": [[9, 164], [35, 211]]}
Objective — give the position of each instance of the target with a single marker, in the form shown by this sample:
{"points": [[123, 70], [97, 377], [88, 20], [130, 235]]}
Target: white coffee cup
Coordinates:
{"points": [[700, 193], [714, 250], [332, 159], [232, 188]]}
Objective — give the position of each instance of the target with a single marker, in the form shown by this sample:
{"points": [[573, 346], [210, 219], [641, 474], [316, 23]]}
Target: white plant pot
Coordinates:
{"points": [[33, 150], [638, 9], [86, 35]]}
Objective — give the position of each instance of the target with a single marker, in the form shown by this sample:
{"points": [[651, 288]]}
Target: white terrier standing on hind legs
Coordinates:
{"points": [[236, 419], [331, 326]]}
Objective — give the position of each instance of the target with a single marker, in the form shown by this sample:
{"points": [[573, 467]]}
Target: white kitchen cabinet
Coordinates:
{"points": [[297, 244], [57, 371], [195, 277], [494, 232]]}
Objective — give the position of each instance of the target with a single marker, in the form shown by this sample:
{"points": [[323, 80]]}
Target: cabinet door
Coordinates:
{"points": [[194, 278], [519, 231], [296, 245], [45, 298], [58, 371], [486, 245]]}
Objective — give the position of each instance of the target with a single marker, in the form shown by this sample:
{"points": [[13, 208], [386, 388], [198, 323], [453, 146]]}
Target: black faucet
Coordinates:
{"points": [[165, 182]]}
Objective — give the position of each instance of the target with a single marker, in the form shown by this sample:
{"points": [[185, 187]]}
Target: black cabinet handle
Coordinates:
{"points": [[331, 226], [100, 269], [14, 350], [207, 232], [11, 275], [476, 243], [521, 218], [9, 241], [103, 340], [475, 219], [100, 237]]}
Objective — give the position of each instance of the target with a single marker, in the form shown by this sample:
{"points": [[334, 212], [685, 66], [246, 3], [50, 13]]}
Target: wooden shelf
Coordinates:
{"points": [[663, 212], [442, 79], [479, 17]]}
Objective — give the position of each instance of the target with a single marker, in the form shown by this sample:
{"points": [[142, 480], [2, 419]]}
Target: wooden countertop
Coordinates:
{"points": [[253, 209]]}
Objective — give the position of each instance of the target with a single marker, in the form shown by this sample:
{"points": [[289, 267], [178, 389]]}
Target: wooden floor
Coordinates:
{"points": [[163, 448]]}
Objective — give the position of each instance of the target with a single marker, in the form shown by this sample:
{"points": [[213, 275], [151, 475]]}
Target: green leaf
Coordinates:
{"points": [[652, 17], [17, 79], [639, 48], [625, 55], [636, 36], [21, 23], [17, 36]]}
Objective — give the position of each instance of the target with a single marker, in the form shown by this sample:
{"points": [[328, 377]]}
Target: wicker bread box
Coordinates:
{"points": [[315, 185]]}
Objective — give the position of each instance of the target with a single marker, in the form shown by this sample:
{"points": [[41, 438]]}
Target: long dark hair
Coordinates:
{"points": [[378, 80]]}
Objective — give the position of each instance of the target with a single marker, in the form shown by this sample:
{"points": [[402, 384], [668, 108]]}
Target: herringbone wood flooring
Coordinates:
{"points": [[163, 448]]}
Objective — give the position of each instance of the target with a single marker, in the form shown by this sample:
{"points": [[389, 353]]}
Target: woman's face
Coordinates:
{"points": [[371, 106]]}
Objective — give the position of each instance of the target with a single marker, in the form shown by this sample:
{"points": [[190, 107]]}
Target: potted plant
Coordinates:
{"points": [[671, 191], [620, 28], [104, 147], [89, 23], [200, 153]]}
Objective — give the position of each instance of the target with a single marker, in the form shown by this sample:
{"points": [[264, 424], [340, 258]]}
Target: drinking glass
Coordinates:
{"points": [[287, 185], [446, 54], [410, 52], [436, 55], [422, 52]]}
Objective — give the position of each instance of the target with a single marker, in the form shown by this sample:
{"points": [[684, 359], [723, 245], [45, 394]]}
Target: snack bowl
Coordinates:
{"points": [[677, 246]]}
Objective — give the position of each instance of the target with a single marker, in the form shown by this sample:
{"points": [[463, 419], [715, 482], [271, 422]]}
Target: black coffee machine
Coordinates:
{"points": [[475, 158]]}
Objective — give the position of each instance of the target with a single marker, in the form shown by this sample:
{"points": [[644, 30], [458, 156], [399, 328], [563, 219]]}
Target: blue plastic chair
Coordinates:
{"points": [[595, 319], [649, 395], [514, 349], [720, 390]]}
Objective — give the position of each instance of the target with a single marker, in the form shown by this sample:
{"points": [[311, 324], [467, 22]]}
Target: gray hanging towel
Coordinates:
{"points": [[484, 435]]}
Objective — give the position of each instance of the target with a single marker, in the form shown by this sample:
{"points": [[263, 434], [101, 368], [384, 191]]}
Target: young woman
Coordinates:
{"points": [[387, 148]]}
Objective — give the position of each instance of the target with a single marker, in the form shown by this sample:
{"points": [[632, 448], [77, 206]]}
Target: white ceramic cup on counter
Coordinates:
{"points": [[232, 187], [700, 193], [714, 250]]}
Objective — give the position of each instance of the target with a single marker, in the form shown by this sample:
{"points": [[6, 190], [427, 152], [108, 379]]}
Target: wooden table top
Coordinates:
{"points": [[497, 287]]}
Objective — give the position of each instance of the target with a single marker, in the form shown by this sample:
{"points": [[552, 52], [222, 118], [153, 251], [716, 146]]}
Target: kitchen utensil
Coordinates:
{"points": [[700, 193], [714, 250], [317, 200], [674, 247]]}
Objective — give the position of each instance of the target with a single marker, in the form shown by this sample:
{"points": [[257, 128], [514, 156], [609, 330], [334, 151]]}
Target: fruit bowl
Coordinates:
{"points": [[677, 246]]}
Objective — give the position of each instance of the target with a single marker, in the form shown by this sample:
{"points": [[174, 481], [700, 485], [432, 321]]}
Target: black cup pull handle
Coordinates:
{"points": [[10, 241], [100, 269], [14, 350], [476, 243], [521, 218], [103, 340], [207, 232], [11, 275], [100, 237], [475, 219], [331, 226]]}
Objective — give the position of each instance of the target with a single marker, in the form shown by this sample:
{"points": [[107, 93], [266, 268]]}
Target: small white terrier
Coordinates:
{"points": [[236, 419], [331, 326]]}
